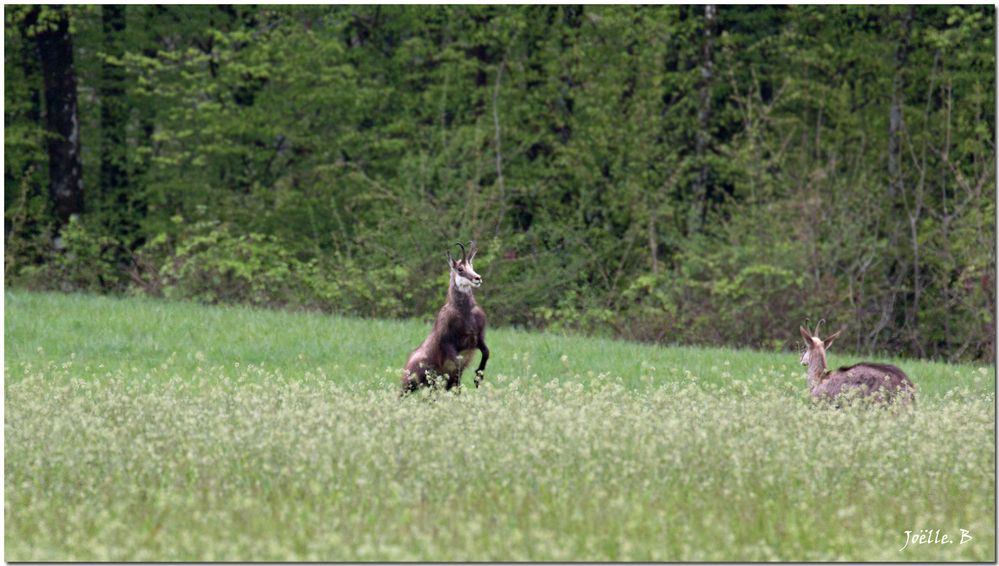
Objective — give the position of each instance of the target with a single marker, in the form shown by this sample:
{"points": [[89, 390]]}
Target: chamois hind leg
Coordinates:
{"points": [[453, 382], [413, 380], [450, 376]]}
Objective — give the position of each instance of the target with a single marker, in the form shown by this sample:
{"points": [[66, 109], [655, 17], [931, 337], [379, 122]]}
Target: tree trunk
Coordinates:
{"points": [[147, 112], [653, 241], [699, 212], [62, 121], [114, 197], [892, 313], [895, 119]]}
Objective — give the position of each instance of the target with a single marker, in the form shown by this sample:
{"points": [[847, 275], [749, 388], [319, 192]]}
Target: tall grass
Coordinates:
{"points": [[102, 334], [151, 431]]}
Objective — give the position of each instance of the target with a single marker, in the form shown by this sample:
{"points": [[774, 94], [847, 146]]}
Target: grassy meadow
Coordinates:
{"points": [[144, 430]]}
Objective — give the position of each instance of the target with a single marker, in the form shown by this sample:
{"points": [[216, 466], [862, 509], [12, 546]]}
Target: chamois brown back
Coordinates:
{"points": [[878, 382]]}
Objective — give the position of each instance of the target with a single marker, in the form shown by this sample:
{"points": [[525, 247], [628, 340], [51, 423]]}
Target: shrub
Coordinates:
{"points": [[209, 262], [81, 258]]}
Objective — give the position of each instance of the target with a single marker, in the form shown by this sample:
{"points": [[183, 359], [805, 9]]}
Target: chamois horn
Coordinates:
{"points": [[817, 325]]}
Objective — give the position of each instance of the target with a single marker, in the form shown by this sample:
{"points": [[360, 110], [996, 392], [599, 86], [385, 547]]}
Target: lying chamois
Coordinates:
{"points": [[459, 329], [877, 382]]}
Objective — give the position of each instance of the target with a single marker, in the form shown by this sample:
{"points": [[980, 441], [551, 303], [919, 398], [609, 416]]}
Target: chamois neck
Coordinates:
{"points": [[462, 300], [816, 370]]}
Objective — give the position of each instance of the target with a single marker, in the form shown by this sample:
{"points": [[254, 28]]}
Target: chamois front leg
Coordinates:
{"points": [[451, 369], [482, 363]]}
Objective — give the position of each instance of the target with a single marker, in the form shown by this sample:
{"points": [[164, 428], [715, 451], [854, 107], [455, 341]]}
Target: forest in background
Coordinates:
{"points": [[675, 174]]}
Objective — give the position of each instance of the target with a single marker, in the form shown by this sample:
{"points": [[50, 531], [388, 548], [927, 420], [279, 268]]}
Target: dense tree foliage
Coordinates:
{"points": [[683, 174]]}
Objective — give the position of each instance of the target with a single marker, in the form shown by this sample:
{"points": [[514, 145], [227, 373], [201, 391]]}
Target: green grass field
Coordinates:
{"points": [[143, 430]]}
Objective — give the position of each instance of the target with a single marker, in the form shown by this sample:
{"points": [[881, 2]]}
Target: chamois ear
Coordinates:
{"points": [[829, 340], [450, 260], [473, 249], [806, 335]]}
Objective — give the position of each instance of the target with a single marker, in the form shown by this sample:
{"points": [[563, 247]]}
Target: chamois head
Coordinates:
{"points": [[463, 275], [815, 348]]}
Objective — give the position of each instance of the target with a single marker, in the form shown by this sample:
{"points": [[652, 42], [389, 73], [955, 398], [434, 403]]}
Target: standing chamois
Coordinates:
{"points": [[459, 329], [876, 382]]}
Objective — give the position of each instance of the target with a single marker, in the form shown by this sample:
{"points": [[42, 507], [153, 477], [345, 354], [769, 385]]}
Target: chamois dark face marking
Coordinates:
{"points": [[460, 329], [462, 272]]}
